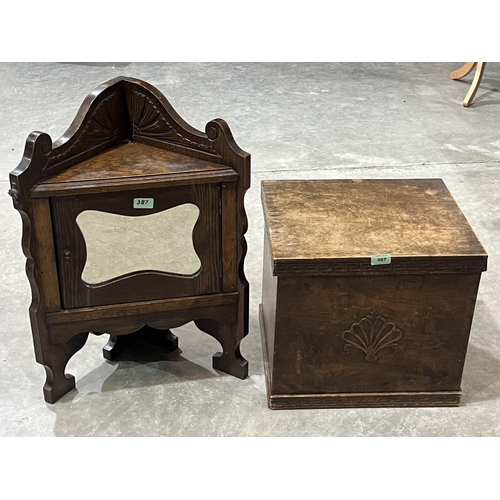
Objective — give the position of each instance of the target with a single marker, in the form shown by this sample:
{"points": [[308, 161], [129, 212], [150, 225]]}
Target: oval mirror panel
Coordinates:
{"points": [[119, 244]]}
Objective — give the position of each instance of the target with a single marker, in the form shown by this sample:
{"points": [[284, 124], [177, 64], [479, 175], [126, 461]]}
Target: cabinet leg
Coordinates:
{"points": [[55, 359], [230, 359], [164, 339]]}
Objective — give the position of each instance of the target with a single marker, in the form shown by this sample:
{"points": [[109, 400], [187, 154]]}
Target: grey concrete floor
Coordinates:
{"points": [[298, 121]]}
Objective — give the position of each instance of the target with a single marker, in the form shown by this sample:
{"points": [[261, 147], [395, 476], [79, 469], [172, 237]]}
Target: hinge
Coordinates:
{"points": [[220, 205]]}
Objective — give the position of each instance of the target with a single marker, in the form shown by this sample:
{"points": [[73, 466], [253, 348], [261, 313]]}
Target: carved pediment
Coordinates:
{"points": [[124, 110], [120, 111]]}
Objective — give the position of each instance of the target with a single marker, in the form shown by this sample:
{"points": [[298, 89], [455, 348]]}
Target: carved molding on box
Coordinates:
{"points": [[403, 267], [375, 400], [370, 335]]}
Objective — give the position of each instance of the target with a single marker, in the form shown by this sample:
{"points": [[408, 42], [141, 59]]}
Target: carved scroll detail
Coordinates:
{"points": [[14, 192], [372, 334]]}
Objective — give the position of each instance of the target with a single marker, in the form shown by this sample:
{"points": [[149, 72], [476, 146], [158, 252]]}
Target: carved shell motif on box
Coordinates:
{"points": [[370, 335]]}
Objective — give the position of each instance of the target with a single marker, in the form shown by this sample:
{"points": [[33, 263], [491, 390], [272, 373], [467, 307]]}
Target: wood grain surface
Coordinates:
{"points": [[132, 160], [350, 219], [433, 313], [130, 166]]}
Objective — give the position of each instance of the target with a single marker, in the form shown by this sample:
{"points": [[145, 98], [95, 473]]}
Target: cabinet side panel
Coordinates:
{"points": [[207, 237], [46, 255], [229, 237]]}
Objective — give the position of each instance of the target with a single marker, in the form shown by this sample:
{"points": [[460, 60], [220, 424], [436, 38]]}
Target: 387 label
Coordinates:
{"points": [[381, 259], [144, 202]]}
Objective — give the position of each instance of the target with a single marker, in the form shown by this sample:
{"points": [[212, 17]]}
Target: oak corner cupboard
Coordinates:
{"points": [[128, 162]]}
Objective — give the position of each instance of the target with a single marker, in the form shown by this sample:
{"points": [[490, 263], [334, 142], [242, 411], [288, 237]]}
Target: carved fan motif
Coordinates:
{"points": [[148, 121], [102, 125], [370, 335], [100, 128]]}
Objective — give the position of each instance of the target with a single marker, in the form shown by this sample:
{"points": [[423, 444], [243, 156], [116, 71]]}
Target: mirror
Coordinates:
{"points": [[118, 244]]}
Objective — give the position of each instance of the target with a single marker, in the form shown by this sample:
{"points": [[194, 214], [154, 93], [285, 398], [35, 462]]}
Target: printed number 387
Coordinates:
{"points": [[143, 202]]}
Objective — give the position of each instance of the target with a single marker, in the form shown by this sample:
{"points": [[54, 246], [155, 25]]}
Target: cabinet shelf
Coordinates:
{"points": [[131, 166]]}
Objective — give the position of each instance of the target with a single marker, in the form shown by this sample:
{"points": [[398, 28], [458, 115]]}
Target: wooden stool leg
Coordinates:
{"points": [[55, 360], [463, 71], [475, 84], [230, 359]]}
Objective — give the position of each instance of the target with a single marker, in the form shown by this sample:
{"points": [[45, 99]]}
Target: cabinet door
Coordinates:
{"points": [[133, 246]]}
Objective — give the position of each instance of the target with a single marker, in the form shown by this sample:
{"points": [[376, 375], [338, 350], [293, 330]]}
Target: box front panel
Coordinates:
{"points": [[372, 334]]}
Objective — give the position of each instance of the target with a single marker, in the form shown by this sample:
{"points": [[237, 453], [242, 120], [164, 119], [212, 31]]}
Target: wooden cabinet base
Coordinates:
{"points": [[164, 339]]}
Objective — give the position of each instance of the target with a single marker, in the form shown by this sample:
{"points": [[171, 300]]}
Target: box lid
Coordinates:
{"points": [[368, 226]]}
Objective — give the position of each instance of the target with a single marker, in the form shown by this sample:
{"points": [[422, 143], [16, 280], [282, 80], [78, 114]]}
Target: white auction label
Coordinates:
{"points": [[144, 202], [378, 260]]}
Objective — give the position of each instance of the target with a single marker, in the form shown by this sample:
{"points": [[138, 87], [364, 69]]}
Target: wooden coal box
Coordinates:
{"points": [[369, 289]]}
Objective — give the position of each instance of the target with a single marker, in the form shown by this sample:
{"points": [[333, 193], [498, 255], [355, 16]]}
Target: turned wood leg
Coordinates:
{"points": [[230, 359], [463, 71], [164, 339], [55, 359], [475, 84]]}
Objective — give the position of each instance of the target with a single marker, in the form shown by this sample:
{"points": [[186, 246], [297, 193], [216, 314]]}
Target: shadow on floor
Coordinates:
{"points": [[488, 88], [108, 393], [481, 376], [160, 366]]}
